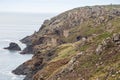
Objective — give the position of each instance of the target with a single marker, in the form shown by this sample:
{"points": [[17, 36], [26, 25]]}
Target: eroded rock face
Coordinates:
{"points": [[30, 67], [13, 46], [72, 27], [59, 27]]}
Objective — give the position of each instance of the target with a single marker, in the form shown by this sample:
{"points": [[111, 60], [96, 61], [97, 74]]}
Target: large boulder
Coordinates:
{"points": [[13, 46]]}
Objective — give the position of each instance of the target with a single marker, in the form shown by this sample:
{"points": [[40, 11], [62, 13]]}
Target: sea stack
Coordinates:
{"points": [[13, 46]]}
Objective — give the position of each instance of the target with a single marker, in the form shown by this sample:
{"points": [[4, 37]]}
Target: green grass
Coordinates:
{"points": [[65, 51], [110, 65], [102, 36], [84, 47]]}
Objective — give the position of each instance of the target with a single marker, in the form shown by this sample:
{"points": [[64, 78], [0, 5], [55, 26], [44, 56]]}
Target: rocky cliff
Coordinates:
{"points": [[79, 44]]}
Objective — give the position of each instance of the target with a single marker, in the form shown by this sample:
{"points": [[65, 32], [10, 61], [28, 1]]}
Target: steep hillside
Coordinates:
{"points": [[79, 44]]}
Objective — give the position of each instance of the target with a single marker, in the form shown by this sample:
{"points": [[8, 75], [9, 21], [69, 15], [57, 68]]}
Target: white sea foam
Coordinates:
{"points": [[5, 40], [13, 76], [9, 40]]}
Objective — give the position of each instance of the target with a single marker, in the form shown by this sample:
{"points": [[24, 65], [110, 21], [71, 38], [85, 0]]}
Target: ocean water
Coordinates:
{"points": [[13, 27]]}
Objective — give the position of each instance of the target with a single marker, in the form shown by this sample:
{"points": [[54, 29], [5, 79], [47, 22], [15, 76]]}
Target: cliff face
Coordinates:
{"points": [[82, 43]]}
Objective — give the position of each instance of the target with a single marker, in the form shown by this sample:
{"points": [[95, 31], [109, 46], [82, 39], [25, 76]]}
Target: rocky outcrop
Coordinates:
{"points": [[108, 43], [29, 68], [79, 67], [79, 44], [61, 27], [13, 46], [28, 50]]}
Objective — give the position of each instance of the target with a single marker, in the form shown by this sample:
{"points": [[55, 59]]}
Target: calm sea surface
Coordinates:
{"points": [[13, 27]]}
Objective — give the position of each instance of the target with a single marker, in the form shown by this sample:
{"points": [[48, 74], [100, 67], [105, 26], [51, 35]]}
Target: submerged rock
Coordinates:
{"points": [[13, 46]]}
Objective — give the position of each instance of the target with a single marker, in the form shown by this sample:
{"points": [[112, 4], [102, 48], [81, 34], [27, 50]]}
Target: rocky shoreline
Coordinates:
{"points": [[78, 44]]}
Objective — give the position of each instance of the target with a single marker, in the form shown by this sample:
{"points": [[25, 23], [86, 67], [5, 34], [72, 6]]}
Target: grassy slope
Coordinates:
{"points": [[108, 63]]}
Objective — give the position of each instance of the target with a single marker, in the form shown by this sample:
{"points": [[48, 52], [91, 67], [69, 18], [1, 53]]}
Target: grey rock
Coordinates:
{"points": [[99, 49], [116, 37], [13, 46], [22, 70]]}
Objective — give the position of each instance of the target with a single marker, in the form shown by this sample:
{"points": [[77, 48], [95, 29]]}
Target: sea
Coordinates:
{"points": [[13, 27]]}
